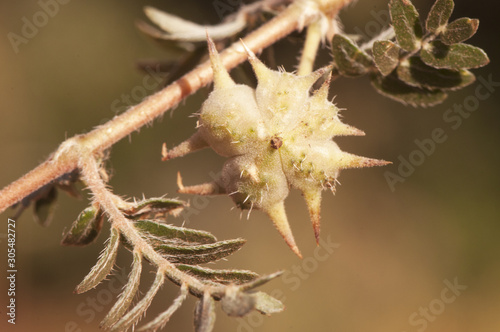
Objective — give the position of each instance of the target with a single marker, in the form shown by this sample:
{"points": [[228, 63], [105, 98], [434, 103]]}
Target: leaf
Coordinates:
{"points": [[406, 22], [439, 15], [134, 315], [259, 281], [267, 304], [416, 73], [45, 206], [349, 59], [236, 303], [154, 206], [85, 228], [126, 297], [395, 89], [163, 318], [167, 234], [219, 276], [386, 56], [204, 314], [103, 266], [456, 56], [459, 30], [199, 254]]}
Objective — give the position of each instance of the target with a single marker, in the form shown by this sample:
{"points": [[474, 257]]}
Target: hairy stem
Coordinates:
{"points": [[311, 45], [299, 14]]}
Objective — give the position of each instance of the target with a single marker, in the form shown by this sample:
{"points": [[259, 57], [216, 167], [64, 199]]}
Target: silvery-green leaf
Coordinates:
{"points": [[127, 296], [177, 28], [439, 15], [259, 281], [159, 322], [219, 276], [152, 207], [85, 229], [199, 254], [386, 56], [135, 314], [160, 233], [104, 264], [350, 60], [204, 314], [406, 23], [391, 87], [266, 304], [456, 56], [459, 30], [415, 72]]}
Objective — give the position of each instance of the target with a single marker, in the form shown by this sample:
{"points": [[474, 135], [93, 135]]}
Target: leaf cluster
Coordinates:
{"points": [[418, 66]]}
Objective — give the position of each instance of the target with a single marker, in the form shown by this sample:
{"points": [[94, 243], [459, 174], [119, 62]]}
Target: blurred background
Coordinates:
{"points": [[421, 255]]}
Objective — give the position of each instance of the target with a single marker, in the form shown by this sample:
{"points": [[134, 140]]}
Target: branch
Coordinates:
{"points": [[298, 15]]}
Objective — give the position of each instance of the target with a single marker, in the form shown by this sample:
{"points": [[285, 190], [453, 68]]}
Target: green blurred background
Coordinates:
{"points": [[395, 250]]}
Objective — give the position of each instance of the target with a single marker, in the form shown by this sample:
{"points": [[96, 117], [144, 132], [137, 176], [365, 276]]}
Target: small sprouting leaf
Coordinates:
{"points": [[160, 233], [349, 59], [386, 56], [126, 297], [459, 30], [45, 206], [163, 318], [204, 314], [153, 207], [439, 15], [135, 314], [406, 22], [85, 229], [104, 264], [219, 276], [267, 304], [415, 72], [199, 254], [391, 87], [456, 56], [236, 303]]}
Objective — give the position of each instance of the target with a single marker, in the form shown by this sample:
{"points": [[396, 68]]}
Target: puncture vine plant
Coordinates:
{"points": [[275, 137]]}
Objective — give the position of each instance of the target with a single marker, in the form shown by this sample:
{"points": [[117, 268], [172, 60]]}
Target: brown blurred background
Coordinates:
{"points": [[396, 254]]}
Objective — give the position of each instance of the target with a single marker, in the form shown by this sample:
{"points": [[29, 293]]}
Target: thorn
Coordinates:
{"points": [[164, 152], [348, 160], [261, 71], [313, 201], [179, 182], [221, 76], [278, 216]]}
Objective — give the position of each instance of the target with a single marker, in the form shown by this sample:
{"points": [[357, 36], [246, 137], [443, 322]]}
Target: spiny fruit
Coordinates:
{"points": [[275, 137]]}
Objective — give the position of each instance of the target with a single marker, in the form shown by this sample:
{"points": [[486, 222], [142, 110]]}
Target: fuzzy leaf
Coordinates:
{"points": [[219, 276], [199, 254], [204, 314], [167, 234], [85, 229], [154, 206], [45, 206], [349, 59], [127, 296], [397, 90], [459, 30], [163, 318], [406, 22], [416, 73], [134, 315], [104, 264], [386, 56], [456, 56], [236, 303], [259, 281], [267, 304], [439, 15]]}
